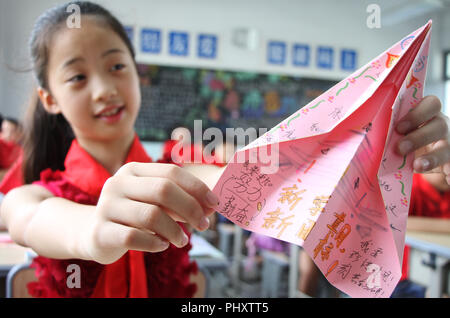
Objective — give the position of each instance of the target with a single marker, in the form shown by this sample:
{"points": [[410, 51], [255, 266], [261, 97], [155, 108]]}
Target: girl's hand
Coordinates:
{"points": [[427, 133], [139, 207]]}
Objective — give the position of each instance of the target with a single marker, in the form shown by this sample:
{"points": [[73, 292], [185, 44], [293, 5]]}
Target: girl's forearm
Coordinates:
{"points": [[53, 227], [64, 238]]}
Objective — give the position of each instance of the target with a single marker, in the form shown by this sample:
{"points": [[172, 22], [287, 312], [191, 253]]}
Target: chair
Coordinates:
{"points": [[18, 278], [275, 272], [202, 279]]}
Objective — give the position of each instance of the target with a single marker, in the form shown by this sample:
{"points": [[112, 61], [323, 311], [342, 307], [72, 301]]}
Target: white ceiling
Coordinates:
{"points": [[398, 11]]}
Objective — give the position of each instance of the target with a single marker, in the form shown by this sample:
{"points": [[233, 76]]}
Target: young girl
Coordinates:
{"points": [[82, 134], [92, 197]]}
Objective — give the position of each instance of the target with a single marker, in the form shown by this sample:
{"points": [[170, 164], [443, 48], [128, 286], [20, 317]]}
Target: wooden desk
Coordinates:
{"points": [[431, 242], [11, 254], [209, 259], [207, 255], [438, 248]]}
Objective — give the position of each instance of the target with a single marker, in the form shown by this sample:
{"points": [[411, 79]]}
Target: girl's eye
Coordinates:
{"points": [[77, 78], [118, 67]]}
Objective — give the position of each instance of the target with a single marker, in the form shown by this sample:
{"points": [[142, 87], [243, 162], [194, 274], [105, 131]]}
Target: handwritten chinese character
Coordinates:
{"points": [[228, 208], [339, 219], [318, 202], [284, 224], [264, 180], [344, 270], [343, 233], [254, 170], [242, 183], [320, 248], [365, 245], [355, 255], [290, 196], [365, 264], [340, 236], [254, 194], [386, 275], [241, 215], [274, 216], [305, 229], [376, 252]]}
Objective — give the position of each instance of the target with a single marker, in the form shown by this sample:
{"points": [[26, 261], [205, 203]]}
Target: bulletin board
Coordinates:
{"points": [[176, 96]]}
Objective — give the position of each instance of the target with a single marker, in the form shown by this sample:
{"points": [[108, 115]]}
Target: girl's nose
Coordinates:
{"points": [[104, 89]]}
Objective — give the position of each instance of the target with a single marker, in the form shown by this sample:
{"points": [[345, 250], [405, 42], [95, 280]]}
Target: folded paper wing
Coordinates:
{"points": [[327, 178]]}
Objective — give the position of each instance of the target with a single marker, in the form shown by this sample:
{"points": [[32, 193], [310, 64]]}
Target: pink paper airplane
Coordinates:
{"points": [[333, 172]]}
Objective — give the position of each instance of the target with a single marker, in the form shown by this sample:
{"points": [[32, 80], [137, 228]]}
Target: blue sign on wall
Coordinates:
{"points": [[276, 52], [178, 43], [348, 60], [151, 41], [207, 46], [300, 55], [325, 57]]}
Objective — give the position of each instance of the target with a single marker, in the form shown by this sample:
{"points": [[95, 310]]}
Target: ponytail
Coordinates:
{"points": [[47, 138]]}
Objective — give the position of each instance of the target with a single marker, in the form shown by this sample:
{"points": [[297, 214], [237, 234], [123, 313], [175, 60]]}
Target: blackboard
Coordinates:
{"points": [[176, 96]]}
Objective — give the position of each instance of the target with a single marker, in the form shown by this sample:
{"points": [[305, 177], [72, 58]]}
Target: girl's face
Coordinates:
{"points": [[92, 81]]}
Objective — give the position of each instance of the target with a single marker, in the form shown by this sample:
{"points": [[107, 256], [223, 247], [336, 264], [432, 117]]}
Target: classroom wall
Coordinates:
{"points": [[341, 24]]}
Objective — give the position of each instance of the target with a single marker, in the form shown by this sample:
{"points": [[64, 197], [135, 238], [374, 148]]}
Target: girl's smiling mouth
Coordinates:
{"points": [[111, 114]]}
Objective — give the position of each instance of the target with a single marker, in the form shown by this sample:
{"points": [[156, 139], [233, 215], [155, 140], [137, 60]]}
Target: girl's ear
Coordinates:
{"points": [[47, 100]]}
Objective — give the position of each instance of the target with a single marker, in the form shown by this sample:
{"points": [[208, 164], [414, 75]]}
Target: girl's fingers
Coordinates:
{"points": [[184, 179], [429, 107], [147, 217], [168, 195], [435, 160], [428, 133], [446, 170], [434, 130], [114, 239], [137, 240]]}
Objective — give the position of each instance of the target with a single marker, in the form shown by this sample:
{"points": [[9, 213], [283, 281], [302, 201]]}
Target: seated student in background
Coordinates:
{"points": [[429, 212], [10, 147], [10, 157], [11, 130], [180, 148], [11, 142], [12, 178]]}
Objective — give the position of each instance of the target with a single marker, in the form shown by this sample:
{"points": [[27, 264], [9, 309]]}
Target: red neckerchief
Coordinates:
{"points": [[127, 276]]}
